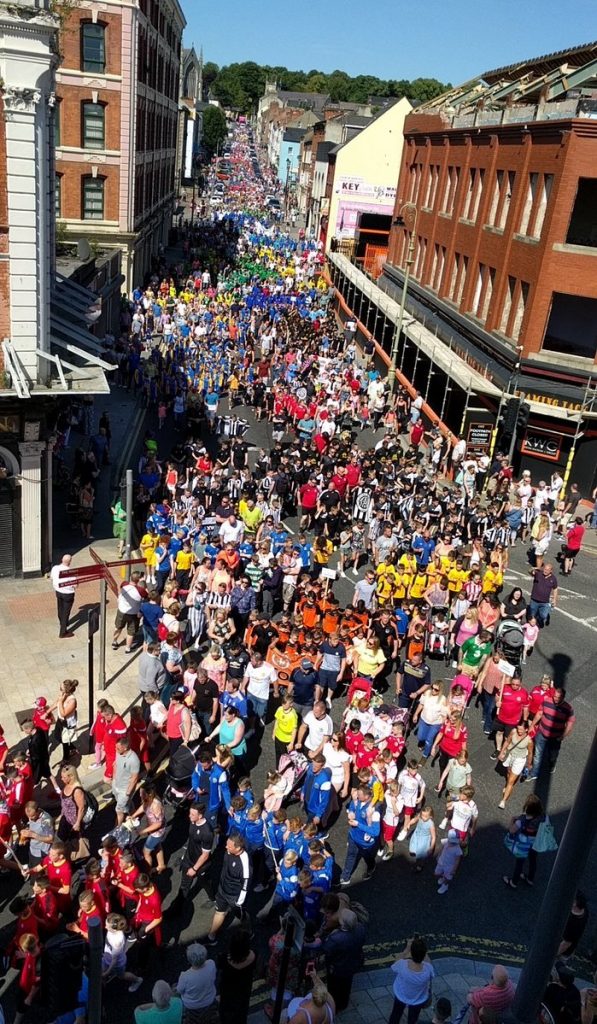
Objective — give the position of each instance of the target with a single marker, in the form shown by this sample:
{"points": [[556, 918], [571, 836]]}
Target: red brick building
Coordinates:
{"points": [[497, 201], [116, 126]]}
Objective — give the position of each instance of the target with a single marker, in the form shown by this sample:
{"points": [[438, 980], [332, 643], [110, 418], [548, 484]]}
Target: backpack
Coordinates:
{"points": [[91, 807]]}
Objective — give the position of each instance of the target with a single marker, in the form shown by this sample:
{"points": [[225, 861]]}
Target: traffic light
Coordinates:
{"points": [[522, 416], [511, 414]]}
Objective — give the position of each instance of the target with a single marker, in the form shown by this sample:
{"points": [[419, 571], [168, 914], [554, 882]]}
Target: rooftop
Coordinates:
{"points": [[557, 86]]}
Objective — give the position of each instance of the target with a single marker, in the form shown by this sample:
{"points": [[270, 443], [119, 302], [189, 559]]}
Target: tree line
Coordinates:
{"points": [[239, 86]]}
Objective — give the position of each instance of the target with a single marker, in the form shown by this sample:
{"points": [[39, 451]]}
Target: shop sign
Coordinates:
{"points": [[356, 188], [540, 445], [557, 403], [479, 437]]}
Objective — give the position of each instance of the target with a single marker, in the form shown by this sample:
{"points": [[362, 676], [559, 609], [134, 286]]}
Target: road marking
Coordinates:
{"points": [[587, 623]]}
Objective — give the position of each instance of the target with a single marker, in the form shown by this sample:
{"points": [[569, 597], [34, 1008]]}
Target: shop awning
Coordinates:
{"points": [[440, 355], [71, 304]]}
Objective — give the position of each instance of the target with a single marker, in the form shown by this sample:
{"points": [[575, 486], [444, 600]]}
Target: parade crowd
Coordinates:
{"points": [[354, 714]]}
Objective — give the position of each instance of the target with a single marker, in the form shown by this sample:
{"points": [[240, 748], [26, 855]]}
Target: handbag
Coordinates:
{"points": [[545, 840]]}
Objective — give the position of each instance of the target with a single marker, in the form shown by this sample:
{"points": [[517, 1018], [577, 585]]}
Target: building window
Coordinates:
{"points": [[450, 187], [93, 198], [583, 220], [93, 123], [58, 195], [572, 326], [437, 269], [521, 305], [432, 183], [508, 301], [473, 196], [483, 291], [93, 46]]}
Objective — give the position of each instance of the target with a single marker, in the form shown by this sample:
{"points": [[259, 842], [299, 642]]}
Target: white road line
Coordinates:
{"points": [[587, 623], [561, 589]]}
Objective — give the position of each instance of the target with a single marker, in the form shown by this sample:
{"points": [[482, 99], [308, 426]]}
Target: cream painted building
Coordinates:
{"points": [[367, 169]]}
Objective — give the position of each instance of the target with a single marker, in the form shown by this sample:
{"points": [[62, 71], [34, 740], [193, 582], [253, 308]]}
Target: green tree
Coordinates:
{"points": [[210, 73], [316, 83], [425, 89], [215, 129]]}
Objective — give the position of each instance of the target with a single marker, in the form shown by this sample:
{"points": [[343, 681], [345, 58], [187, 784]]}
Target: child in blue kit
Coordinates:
{"points": [[255, 841], [309, 896], [237, 815], [287, 885], [245, 790], [274, 829]]}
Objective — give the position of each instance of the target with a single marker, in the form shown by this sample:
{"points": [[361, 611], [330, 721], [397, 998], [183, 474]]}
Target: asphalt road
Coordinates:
{"points": [[479, 915]]}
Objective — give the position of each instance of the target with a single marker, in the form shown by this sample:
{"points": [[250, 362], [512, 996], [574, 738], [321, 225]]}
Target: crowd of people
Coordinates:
{"points": [[362, 708]]}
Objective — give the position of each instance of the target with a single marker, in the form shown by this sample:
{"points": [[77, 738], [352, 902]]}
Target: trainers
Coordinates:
{"points": [[530, 778], [368, 874], [442, 889], [355, 572], [345, 881], [501, 805], [387, 855], [443, 823], [381, 853], [134, 985], [494, 756], [210, 941], [401, 835]]}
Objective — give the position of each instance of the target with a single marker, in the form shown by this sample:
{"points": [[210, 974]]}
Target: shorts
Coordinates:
{"points": [[119, 531], [388, 832], [569, 553], [516, 765], [288, 590], [223, 905], [123, 800], [257, 705], [152, 842], [329, 679], [126, 619], [408, 811]]}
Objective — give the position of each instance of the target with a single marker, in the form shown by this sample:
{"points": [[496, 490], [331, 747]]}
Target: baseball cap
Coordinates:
{"points": [[305, 663], [453, 836], [40, 702]]}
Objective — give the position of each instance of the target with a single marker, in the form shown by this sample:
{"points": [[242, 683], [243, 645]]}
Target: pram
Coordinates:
{"points": [[179, 773], [509, 641], [293, 768], [437, 636]]}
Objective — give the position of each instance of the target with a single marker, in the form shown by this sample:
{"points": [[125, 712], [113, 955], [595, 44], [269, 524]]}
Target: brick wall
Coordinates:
{"points": [[71, 98], [71, 189], [70, 40], [563, 150]]}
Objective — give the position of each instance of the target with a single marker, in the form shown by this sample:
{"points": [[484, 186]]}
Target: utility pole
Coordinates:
{"points": [[94, 971], [410, 259], [571, 859]]}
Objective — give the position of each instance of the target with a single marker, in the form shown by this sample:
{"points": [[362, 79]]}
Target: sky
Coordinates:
{"points": [[451, 41]]}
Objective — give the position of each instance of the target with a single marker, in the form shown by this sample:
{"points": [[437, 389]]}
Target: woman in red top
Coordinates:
{"points": [[148, 918], [574, 539], [450, 740]]}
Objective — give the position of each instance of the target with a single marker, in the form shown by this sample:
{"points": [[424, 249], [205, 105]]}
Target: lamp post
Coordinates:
{"points": [[589, 398], [410, 259]]}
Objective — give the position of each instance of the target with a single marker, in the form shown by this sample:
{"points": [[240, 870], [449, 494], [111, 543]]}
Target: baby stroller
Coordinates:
{"points": [[437, 640], [179, 773], [293, 768], [509, 641]]}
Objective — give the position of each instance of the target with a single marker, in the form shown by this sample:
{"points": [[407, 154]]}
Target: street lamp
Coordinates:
{"points": [[410, 259]]}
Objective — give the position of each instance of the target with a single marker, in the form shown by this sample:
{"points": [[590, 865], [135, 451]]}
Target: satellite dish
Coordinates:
{"points": [[83, 250]]}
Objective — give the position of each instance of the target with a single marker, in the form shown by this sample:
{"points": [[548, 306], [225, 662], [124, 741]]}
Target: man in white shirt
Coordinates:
{"points": [[258, 678], [316, 729], [416, 406], [65, 595], [127, 612], [231, 531]]}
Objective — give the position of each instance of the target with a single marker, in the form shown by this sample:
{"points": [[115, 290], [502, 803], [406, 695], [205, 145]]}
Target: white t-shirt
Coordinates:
{"points": [[336, 759], [230, 534], [260, 679], [59, 586], [318, 728], [129, 599], [411, 787], [463, 814]]}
